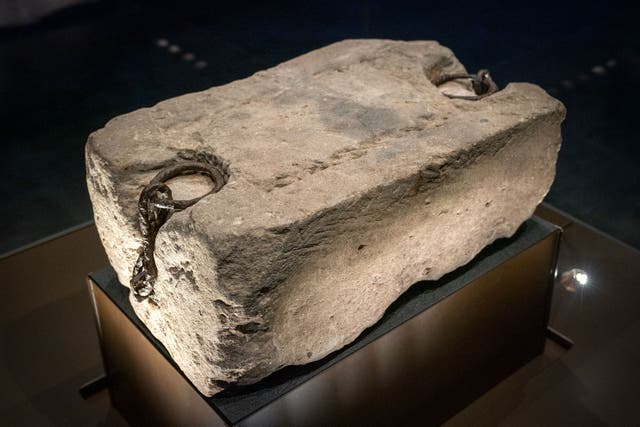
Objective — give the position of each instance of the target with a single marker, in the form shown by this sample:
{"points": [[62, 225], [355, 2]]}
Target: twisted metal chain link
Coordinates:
{"points": [[156, 205]]}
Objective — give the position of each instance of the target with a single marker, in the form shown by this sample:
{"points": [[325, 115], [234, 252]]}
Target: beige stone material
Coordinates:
{"points": [[351, 178]]}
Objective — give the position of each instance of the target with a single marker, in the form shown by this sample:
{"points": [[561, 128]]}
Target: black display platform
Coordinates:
{"points": [[240, 404]]}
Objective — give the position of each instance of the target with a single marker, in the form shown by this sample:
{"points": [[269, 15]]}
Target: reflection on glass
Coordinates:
{"points": [[573, 278], [581, 277]]}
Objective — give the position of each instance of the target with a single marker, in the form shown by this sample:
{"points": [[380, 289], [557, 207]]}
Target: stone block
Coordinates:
{"points": [[351, 176]]}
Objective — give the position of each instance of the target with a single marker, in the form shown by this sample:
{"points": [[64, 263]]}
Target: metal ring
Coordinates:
{"points": [[481, 83], [188, 168]]}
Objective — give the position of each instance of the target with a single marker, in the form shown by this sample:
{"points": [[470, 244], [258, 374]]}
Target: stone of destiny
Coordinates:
{"points": [[348, 177]]}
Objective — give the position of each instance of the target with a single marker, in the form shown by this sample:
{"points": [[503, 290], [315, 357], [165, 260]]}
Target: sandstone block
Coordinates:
{"points": [[350, 177]]}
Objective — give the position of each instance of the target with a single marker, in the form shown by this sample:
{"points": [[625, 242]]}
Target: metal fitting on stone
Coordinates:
{"points": [[156, 205], [481, 82]]}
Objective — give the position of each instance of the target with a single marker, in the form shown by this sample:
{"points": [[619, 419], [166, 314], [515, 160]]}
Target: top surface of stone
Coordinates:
{"points": [[314, 131]]}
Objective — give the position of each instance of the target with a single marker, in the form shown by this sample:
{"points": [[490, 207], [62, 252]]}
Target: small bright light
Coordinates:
{"points": [[573, 278], [582, 278]]}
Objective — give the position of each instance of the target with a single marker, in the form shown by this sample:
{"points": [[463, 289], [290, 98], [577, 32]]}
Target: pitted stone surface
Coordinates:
{"points": [[351, 178]]}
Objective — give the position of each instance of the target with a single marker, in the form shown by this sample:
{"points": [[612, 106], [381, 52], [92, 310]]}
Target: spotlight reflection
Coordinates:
{"points": [[582, 278], [573, 278]]}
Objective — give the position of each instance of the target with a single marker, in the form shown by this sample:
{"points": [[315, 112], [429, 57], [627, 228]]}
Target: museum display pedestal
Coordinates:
{"points": [[437, 348]]}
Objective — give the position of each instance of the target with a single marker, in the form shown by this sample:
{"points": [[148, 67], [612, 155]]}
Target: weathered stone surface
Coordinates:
{"points": [[351, 178]]}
